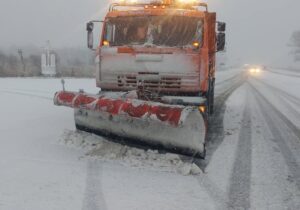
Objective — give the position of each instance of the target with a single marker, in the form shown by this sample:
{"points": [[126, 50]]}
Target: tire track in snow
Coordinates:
{"points": [[289, 123], [29, 90], [26, 94], [292, 99], [240, 181], [215, 193], [94, 197], [286, 98], [287, 95], [291, 109], [271, 116], [284, 74], [231, 79]]}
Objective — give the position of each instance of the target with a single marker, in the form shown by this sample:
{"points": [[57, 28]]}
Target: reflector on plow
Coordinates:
{"points": [[175, 128]]}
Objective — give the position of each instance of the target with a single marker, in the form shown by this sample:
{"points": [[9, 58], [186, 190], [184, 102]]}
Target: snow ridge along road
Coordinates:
{"points": [[253, 153]]}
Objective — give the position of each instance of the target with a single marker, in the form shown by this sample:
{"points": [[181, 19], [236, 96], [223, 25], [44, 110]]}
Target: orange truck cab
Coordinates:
{"points": [[161, 49]]}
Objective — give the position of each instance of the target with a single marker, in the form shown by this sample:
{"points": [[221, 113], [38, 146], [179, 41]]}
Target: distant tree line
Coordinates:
{"points": [[70, 62], [11, 65], [295, 44]]}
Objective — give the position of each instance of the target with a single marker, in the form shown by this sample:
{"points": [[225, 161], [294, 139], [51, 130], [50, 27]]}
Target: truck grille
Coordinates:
{"points": [[162, 83]]}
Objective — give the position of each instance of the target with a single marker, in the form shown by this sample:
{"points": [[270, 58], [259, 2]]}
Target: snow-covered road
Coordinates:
{"points": [[253, 159]]}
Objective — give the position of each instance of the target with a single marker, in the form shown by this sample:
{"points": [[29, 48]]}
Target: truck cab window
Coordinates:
{"points": [[170, 31]]}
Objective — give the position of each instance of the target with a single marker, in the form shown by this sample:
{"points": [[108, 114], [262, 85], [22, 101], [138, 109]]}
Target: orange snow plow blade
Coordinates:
{"points": [[175, 128]]}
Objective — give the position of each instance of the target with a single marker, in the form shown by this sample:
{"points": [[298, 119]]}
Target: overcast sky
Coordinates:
{"points": [[258, 31]]}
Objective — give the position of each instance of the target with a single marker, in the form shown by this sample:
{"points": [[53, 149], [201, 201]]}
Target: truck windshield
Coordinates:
{"points": [[170, 31]]}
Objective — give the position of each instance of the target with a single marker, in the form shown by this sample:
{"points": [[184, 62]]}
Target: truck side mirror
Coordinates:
{"points": [[90, 37], [221, 40], [221, 27], [91, 29]]}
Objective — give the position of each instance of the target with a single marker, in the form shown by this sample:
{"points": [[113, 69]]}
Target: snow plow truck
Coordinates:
{"points": [[155, 67]]}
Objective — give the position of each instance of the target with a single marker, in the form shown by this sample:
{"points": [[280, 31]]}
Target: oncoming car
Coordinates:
{"points": [[254, 69]]}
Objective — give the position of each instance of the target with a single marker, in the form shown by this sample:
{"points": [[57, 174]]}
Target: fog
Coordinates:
{"points": [[257, 31]]}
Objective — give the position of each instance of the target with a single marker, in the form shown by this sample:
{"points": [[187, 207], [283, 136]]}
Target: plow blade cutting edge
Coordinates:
{"points": [[175, 128]]}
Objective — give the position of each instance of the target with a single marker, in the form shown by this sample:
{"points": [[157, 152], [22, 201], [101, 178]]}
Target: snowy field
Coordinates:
{"points": [[253, 154]]}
